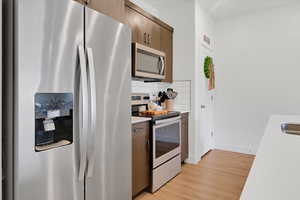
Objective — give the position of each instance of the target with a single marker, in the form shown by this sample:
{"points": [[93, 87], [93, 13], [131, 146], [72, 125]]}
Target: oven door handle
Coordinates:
{"points": [[164, 121]]}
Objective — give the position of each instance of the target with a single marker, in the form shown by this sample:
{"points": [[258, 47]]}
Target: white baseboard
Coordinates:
{"points": [[191, 160], [238, 149]]}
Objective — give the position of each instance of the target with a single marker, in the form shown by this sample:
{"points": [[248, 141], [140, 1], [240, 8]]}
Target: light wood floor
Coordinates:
{"points": [[220, 175]]}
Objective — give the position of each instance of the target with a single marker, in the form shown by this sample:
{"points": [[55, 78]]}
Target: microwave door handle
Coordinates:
{"points": [[162, 65], [93, 113], [84, 113]]}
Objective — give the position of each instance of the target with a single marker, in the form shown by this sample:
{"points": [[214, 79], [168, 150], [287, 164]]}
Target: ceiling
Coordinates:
{"points": [[224, 8]]}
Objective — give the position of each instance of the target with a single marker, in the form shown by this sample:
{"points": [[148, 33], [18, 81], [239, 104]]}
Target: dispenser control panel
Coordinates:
{"points": [[53, 120]]}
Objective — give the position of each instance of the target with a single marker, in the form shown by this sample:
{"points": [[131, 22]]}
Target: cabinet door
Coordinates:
{"points": [[144, 30], [184, 137], [154, 35], [138, 25], [167, 47], [140, 157], [112, 8]]}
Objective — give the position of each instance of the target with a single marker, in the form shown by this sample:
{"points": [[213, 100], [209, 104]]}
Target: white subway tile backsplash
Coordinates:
{"points": [[182, 101], [151, 88]]}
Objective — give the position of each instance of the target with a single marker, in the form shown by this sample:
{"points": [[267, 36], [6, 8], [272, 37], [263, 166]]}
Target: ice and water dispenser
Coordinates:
{"points": [[53, 120]]}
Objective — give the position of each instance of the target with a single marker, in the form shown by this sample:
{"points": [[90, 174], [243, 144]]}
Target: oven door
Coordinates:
{"points": [[166, 140]]}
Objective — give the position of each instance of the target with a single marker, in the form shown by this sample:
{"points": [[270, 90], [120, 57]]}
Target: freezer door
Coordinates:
{"points": [[46, 142], [108, 46]]}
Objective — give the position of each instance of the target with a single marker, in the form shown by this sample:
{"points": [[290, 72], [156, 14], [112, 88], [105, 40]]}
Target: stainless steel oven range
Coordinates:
{"points": [[166, 150], [165, 142]]}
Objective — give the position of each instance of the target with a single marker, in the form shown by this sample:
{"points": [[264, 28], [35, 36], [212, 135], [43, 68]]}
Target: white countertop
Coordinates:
{"points": [[184, 111], [275, 174], [135, 120]]}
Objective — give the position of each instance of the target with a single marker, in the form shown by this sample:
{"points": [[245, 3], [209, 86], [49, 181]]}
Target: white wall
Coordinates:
{"points": [[257, 73]]}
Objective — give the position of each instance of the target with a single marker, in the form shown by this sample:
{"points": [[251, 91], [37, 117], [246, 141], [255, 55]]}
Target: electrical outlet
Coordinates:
{"points": [[212, 134]]}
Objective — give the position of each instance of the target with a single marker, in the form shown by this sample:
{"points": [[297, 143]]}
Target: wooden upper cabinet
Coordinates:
{"points": [[112, 8], [144, 30], [167, 47], [138, 24], [154, 35], [152, 32]]}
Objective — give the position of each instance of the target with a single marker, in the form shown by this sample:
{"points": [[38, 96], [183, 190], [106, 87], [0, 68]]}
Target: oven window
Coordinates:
{"points": [[167, 138]]}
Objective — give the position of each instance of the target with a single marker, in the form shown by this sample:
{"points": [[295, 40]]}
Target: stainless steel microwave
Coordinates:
{"points": [[148, 63]]}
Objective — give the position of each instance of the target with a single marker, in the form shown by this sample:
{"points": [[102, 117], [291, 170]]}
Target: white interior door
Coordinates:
{"points": [[207, 123], [206, 110]]}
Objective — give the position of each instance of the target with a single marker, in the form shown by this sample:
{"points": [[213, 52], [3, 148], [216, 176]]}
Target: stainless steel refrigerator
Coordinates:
{"points": [[67, 124]]}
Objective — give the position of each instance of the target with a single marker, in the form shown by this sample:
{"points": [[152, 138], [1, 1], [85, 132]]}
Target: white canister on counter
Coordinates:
{"points": [[169, 104]]}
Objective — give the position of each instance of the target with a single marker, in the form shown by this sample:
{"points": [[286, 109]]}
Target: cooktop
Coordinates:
{"points": [[170, 114]]}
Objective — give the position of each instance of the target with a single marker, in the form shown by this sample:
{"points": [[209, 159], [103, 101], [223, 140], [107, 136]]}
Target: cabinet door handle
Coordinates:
{"points": [[148, 145], [145, 38], [149, 39], [135, 130]]}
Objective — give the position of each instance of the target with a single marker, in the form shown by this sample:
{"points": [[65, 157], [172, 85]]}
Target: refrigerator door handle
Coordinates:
{"points": [[93, 114], [84, 127]]}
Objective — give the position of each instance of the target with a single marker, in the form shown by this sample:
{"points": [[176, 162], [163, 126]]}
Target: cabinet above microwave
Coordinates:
{"points": [[148, 63]]}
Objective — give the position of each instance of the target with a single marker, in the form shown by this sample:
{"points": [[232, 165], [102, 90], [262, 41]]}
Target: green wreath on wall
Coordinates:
{"points": [[207, 64]]}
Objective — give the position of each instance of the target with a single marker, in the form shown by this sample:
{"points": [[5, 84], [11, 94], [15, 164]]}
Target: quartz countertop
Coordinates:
{"points": [[275, 174], [135, 120]]}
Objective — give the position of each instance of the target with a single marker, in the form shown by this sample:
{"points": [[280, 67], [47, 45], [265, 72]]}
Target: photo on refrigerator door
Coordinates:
{"points": [[53, 120]]}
